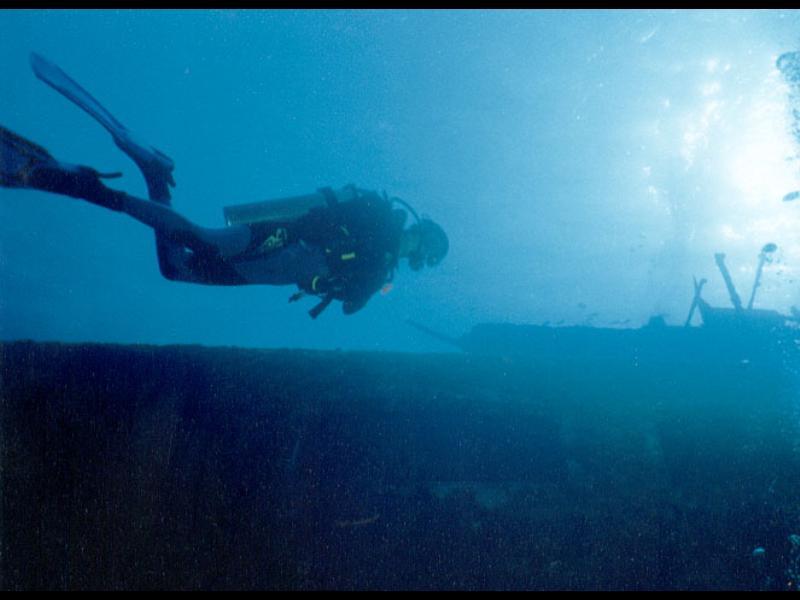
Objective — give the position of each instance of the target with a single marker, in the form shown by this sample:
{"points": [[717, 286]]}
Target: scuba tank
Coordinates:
{"points": [[284, 209]]}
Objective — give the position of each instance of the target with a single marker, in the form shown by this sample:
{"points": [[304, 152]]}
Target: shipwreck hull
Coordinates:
{"points": [[131, 467]]}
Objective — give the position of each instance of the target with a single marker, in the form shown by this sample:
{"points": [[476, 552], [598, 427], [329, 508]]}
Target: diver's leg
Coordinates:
{"points": [[174, 227], [84, 183], [26, 165], [186, 251], [190, 252], [222, 242]]}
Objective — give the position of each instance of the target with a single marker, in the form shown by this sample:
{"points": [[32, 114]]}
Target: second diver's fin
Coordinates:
{"points": [[155, 165]]}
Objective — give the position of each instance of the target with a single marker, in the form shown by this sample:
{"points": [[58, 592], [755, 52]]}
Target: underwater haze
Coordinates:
{"points": [[587, 166], [585, 163]]}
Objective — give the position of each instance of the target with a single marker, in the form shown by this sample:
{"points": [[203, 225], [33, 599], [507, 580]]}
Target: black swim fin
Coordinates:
{"points": [[19, 158], [26, 165], [156, 166]]}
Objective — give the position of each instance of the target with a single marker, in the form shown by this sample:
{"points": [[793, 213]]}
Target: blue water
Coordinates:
{"points": [[586, 164]]}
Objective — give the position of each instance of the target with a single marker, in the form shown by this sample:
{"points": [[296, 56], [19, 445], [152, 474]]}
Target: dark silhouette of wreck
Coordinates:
{"points": [[742, 333]]}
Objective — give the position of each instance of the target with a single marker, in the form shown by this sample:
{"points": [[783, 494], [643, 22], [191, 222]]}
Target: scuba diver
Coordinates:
{"points": [[334, 244]]}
